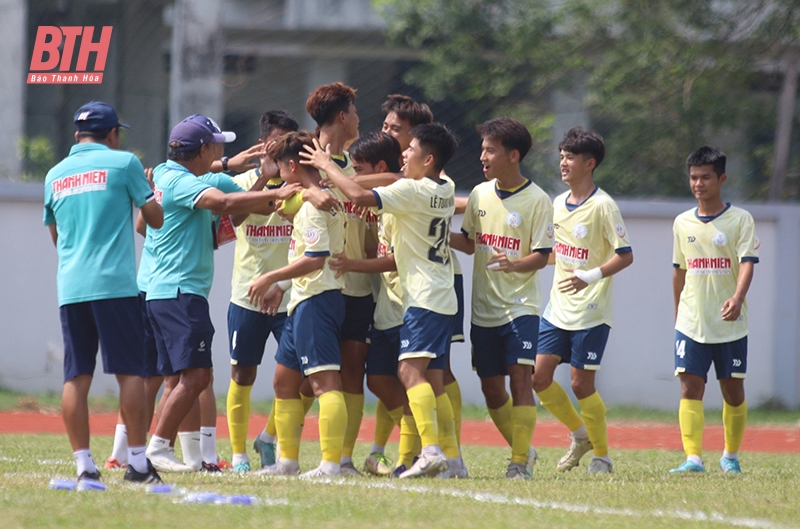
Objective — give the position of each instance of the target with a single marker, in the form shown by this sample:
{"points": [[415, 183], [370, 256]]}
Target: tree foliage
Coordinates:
{"points": [[658, 79]]}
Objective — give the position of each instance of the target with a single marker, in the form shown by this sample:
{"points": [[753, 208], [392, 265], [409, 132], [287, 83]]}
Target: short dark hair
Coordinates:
{"points": [[328, 100], [99, 134], [509, 132], [276, 119], [182, 156], [377, 146], [585, 143], [406, 108], [438, 140], [290, 145], [708, 155]]}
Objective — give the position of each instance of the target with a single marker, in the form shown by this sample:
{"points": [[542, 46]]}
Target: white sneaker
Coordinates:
{"points": [[427, 465], [600, 466], [320, 472], [349, 470], [280, 468], [164, 460], [455, 470], [378, 465], [577, 449]]}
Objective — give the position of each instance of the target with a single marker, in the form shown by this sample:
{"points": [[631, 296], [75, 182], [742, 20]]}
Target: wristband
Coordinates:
{"points": [[493, 266], [589, 276], [284, 285], [224, 161]]}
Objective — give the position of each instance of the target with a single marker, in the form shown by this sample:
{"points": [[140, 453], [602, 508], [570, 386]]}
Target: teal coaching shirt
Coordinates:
{"points": [[183, 249], [89, 195]]}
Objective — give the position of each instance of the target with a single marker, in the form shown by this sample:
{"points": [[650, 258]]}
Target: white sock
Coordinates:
{"points": [[329, 468], [208, 444], [377, 449], [267, 438], [581, 433], [695, 459], [728, 455], [346, 460], [84, 461], [157, 444], [190, 445], [240, 458], [291, 464], [120, 450], [136, 458], [431, 449], [604, 458]]}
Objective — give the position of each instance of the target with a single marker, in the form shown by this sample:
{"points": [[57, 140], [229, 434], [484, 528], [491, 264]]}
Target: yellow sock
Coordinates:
{"points": [[423, 405], [355, 412], [409, 441], [384, 424], [270, 427], [594, 416], [238, 411], [556, 401], [447, 427], [523, 422], [289, 426], [501, 417], [692, 420], [733, 420], [453, 391], [332, 423], [307, 403]]}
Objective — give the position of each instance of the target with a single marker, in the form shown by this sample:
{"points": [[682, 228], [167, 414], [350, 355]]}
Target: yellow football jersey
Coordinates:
{"points": [[710, 250], [389, 305], [518, 223], [262, 243], [316, 233], [423, 210], [586, 236]]}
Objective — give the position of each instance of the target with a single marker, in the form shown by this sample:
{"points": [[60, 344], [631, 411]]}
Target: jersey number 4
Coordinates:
{"points": [[439, 252], [680, 348]]}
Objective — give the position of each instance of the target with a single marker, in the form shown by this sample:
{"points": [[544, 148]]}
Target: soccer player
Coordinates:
{"points": [[714, 253], [87, 208], [591, 245], [309, 345], [177, 292], [423, 206], [508, 226], [262, 244]]}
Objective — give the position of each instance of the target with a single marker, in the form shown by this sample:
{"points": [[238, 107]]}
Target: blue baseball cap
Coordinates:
{"points": [[196, 131], [96, 115]]}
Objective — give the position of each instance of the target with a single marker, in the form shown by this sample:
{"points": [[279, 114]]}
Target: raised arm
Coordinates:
{"points": [[260, 202], [321, 159]]}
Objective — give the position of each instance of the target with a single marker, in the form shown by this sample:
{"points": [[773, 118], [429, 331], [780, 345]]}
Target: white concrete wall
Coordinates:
{"points": [[637, 368]]}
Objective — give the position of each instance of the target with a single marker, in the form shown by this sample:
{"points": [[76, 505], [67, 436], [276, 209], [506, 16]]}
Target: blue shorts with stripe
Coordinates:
{"points": [[310, 340], [496, 348], [113, 324], [582, 349], [695, 358], [183, 331], [384, 350], [458, 319], [358, 312], [426, 334], [150, 349], [248, 331]]}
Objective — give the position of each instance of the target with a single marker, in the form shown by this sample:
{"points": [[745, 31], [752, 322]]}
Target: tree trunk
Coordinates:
{"points": [[783, 132]]}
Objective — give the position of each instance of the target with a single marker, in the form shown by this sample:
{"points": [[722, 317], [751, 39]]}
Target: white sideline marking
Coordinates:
{"points": [[40, 461], [489, 497]]}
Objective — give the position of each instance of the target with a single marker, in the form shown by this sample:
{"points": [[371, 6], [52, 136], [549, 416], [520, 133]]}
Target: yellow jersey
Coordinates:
{"points": [[389, 304]]}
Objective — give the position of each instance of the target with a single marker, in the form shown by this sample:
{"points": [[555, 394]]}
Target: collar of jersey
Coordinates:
{"points": [[505, 193], [705, 219], [88, 146], [274, 183], [175, 166], [443, 181], [573, 207]]}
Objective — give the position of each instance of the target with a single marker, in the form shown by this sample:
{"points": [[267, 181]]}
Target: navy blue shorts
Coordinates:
{"points": [[248, 331], [496, 348], [458, 319], [150, 348], [183, 332], [384, 349], [581, 349], [426, 334], [113, 324], [358, 314], [310, 340], [730, 358]]}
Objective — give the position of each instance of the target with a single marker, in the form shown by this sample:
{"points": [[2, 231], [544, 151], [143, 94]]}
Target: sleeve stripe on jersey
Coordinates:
{"points": [[199, 195], [624, 249], [543, 250], [466, 234], [378, 199], [749, 259], [150, 197], [316, 254], [675, 265]]}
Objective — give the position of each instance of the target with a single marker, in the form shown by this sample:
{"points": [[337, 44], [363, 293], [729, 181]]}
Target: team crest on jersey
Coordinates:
{"points": [[549, 230], [620, 229], [579, 231], [756, 243], [312, 236], [720, 239], [513, 219]]}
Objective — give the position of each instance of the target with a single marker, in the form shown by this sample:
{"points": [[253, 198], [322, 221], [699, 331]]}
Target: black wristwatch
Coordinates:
{"points": [[224, 161]]}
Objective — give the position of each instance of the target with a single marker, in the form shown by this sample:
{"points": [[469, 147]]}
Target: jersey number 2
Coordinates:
{"points": [[438, 252]]}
